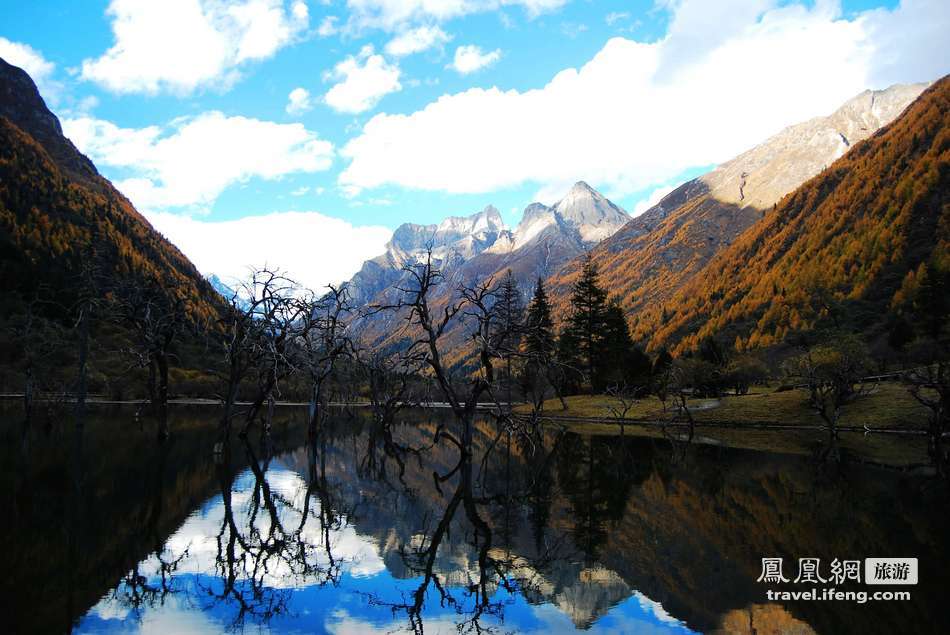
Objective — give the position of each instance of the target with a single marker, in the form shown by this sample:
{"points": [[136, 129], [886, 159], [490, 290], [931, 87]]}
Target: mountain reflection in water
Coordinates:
{"points": [[369, 529]]}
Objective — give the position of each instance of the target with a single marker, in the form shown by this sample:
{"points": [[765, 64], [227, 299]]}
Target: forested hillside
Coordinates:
{"points": [[59, 217], [860, 246], [93, 297]]}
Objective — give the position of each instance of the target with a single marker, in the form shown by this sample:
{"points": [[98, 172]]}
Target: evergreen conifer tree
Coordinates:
{"points": [[582, 340]]}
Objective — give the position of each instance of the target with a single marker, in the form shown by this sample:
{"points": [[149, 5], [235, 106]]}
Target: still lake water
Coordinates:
{"points": [[356, 532]]}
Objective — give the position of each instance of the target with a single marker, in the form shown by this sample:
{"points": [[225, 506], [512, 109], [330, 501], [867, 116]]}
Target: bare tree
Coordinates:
{"points": [[323, 342], [38, 338], [88, 302], [832, 374], [930, 386], [259, 324], [624, 398], [156, 318], [428, 325]]}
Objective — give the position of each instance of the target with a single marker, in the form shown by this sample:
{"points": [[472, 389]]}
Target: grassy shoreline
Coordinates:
{"points": [[737, 421]]}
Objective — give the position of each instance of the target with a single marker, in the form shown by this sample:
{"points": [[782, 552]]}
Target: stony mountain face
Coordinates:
{"points": [[478, 247], [583, 216], [57, 213], [655, 254], [455, 239]]}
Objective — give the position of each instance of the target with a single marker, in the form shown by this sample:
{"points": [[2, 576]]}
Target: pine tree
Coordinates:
{"points": [[582, 339], [539, 327], [621, 361], [540, 347], [508, 324]]}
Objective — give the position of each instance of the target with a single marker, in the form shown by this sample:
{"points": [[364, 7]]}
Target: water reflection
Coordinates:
{"points": [[383, 528]]}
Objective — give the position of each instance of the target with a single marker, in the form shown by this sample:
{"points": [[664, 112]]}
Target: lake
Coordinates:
{"points": [[368, 529]]}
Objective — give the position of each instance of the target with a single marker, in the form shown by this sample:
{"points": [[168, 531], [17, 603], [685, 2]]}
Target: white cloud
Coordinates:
{"points": [[614, 17], [393, 14], [624, 125], [299, 101], [573, 29], [652, 199], [181, 45], [470, 58], [32, 61], [309, 247], [416, 40], [363, 80], [328, 26], [191, 161]]}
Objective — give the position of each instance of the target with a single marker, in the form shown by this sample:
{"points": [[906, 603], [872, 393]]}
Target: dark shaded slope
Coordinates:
{"points": [[57, 214]]}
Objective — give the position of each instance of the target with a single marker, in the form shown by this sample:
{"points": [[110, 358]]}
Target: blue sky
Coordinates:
{"points": [[412, 110]]}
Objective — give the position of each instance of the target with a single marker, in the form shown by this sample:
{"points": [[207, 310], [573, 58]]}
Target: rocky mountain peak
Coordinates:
{"points": [[590, 213], [21, 103], [487, 220]]}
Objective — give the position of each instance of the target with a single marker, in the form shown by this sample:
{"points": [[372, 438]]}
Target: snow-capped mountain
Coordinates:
{"points": [[480, 247], [454, 240], [584, 214]]}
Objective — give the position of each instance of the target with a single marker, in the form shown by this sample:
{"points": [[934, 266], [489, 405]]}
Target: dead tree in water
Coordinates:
{"points": [[426, 324], [258, 327], [89, 292], [157, 319], [323, 342], [38, 339], [280, 319]]}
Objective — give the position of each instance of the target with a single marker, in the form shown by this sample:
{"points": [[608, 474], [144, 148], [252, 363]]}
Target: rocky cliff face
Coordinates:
{"points": [[655, 254], [454, 240], [763, 175]]}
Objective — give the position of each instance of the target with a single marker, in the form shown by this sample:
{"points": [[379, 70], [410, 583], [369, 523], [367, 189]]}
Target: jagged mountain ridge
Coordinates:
{"points": [[480, 247], [455, 238], [656, 253]]}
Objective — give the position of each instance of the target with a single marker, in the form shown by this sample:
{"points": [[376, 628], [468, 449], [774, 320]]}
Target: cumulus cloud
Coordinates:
{"points": [[393, 14], [470, 58], [181, 45], [416, 40], [32, 61], [299, 101], [311, 248], [362, 80], [191, 161], [638, 114]]}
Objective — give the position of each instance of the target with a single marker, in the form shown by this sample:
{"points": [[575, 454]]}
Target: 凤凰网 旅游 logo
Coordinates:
{"points": [[811, 570]]}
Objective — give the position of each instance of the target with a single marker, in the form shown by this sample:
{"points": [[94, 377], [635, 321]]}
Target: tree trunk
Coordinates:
{"points": [[162, 412], [152, 390], [224, 427], [83, 360]]}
